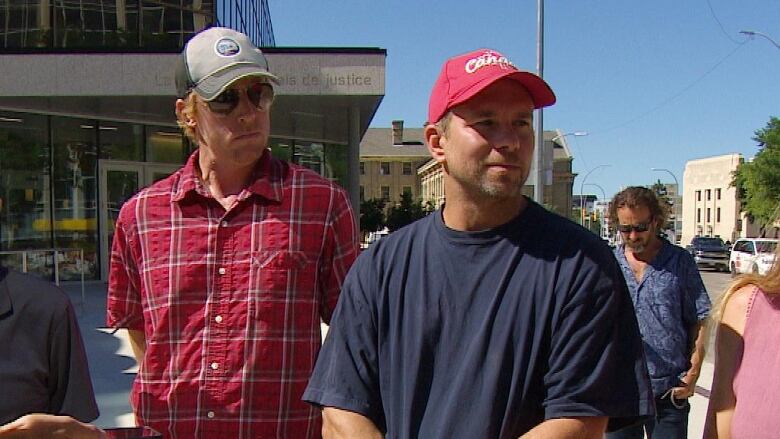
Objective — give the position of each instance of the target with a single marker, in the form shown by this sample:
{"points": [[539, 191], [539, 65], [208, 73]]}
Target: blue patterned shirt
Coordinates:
{"points": [[668, 301]]}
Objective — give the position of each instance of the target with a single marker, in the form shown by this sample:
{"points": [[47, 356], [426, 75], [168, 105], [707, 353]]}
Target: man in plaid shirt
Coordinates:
{"points": [[222, 272]]}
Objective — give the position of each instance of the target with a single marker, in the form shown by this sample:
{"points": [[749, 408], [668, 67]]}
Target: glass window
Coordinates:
{"points": [[717, 194], [21, 24], [362, 168], [362, 193], [75, 191], [717, 215], [407, 168], [385, 193], [709, 194], [310, 155], [121, 141], [708, 214], [165, 145], [100, 24], [25, 214], [281, 149], [336, 162], [384, 168], [407, 190], [698, 215], [698, 195]]}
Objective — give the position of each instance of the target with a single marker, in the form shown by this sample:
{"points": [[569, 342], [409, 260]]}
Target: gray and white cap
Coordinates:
{"points": [[215, 58]]}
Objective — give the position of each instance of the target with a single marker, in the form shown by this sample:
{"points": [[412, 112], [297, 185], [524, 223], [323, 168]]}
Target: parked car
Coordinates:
{"points": [[709, 252], [376, 236], [752, 255]]}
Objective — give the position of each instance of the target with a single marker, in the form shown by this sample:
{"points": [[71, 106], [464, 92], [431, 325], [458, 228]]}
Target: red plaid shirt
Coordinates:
{"points": [[230, 302]]}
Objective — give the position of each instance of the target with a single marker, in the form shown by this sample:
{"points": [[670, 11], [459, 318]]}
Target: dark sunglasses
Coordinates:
{"points": [[260, 94], [639, 228]]}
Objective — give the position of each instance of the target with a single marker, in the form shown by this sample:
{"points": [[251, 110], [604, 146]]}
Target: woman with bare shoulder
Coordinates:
{"points": [[746, 381]]}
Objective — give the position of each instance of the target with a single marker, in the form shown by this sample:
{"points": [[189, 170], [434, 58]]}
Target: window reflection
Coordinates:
{"points": [[164, 145], [121, 141], [24, 183], [100, 24], [327, 159], [75, 192], [281, 149]]}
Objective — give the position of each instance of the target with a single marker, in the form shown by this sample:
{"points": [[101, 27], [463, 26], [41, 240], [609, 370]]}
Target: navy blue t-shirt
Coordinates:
{"points": [[441, 334]]}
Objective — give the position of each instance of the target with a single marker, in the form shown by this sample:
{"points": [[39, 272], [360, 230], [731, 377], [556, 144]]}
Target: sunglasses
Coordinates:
{"points": [[639, 228], [260, 94]]}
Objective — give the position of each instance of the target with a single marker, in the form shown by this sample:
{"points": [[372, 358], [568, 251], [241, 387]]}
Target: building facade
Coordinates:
{"points": [[672, 193], [87, 115], [710, 203], [389, 158], [559, 179]]}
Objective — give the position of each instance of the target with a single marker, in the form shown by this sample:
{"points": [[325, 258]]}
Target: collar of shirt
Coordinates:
{"points": [[658, 262], [266, 180]]}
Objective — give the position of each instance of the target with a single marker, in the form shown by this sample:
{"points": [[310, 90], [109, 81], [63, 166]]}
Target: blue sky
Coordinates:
{"points": [[653, 83]]}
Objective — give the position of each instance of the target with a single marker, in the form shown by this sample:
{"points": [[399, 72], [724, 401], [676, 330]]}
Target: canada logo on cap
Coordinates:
{"points": [[489, 58], [464, 76]]}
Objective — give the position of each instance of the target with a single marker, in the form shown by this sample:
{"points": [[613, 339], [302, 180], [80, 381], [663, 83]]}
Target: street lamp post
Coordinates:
{"points": [[603, 197], [582, 188], [752, 33], [603, 194], [573, 133], [539, 141], [677, 186]]}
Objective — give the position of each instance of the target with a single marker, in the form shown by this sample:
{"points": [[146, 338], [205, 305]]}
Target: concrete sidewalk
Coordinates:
{"points": [[113, 367], [111, 361]]}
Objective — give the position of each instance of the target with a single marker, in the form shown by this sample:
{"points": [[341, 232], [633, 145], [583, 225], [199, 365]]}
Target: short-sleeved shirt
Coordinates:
{"points": [[43, 366], [669, 301], [444, 334], [230, 301]]}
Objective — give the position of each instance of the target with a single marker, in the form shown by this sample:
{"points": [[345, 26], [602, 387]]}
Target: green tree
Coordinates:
{"points": [[758, 182], [405, 212], [372, 216]]}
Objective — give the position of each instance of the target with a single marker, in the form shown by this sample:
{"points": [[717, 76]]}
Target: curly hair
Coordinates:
{"points": [[638, 196]]}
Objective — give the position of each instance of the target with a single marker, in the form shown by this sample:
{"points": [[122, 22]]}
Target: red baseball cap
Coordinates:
{"points": [[463, 76]]}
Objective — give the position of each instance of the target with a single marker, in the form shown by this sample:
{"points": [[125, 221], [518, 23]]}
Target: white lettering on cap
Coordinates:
{"points": [[488, 59], [227, 47]]}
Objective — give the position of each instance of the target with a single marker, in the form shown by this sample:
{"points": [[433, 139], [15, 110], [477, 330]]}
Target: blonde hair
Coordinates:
{"points": [[189, 111], [768, 283], [444, 123]]}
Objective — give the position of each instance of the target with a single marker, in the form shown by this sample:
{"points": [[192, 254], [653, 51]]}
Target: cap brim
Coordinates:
{"points": [[540, 92], [211, 86]]}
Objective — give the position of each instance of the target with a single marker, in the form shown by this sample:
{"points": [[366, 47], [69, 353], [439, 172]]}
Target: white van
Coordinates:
{"points": [[752, 255]]}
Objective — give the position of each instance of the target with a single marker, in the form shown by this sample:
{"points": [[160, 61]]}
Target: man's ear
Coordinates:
{"points": [[184, 116], [435, 140]]}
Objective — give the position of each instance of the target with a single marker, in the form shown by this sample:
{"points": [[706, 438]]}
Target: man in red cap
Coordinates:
{"points": [[492, 317]]}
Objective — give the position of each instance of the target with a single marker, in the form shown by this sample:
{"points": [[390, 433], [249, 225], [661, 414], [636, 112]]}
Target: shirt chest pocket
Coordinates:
{"points": [[282, 273]]}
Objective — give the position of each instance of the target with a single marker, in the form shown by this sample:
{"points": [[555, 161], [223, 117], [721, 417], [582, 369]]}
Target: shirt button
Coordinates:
{"points": [[215, 366], [222, 270], [210, 415], [218, 319]]}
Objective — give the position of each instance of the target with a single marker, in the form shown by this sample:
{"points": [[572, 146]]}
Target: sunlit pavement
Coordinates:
{"points": [[111, 362], [113, 368]]}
